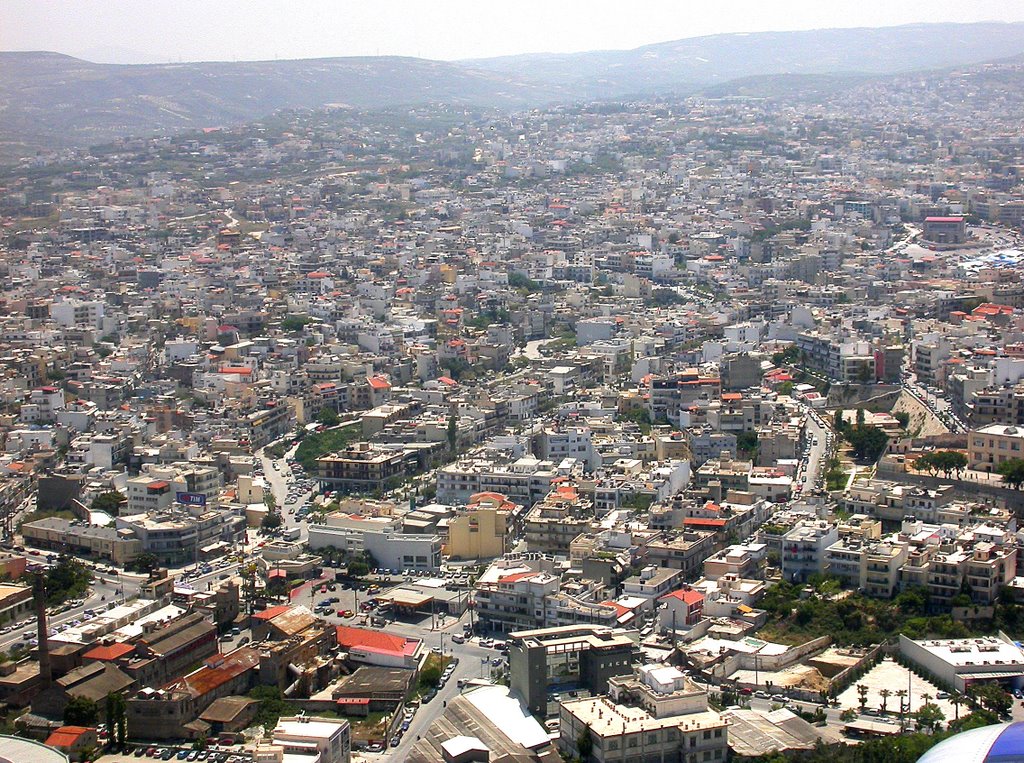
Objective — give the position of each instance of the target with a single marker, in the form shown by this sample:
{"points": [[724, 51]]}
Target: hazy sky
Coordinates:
{"points": [[141, 31]]}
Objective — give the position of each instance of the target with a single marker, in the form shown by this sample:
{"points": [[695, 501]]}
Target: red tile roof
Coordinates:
{"points": [[271, 612], [66, 736], [698, 522], [107, 653], [218, 671], [375, 641], [619, 609], [687, 595]]}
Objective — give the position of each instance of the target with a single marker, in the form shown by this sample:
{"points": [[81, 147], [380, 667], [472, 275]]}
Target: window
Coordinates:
{"points": [[718, 733]]}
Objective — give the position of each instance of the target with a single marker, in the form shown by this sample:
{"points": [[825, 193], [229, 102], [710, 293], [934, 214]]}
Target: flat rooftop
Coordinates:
{"points": [[605, 718], [313, 729], [970, 652]]}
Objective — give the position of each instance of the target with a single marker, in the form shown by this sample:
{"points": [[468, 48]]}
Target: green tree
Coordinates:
{"points": [[787, 356], [929, 716], [357, 568], [991, 696], [109, 502], [271, 521], [862, 696], [80, 711], [272, 705], [453, 432], [295, 323], [522, 283], [430, 676], [868, 442], [145, 562], [746, 443], [945, 461], [67, 579], [117, 718], [585, 744], [838, 422], [885, 694], [860, 417], [1012, 472], [328, 416]]}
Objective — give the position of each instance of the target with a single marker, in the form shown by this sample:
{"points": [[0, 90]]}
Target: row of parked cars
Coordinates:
{"points": [[169, 753]]}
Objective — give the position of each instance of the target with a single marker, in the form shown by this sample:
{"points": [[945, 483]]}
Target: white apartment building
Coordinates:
{"points": [[804, 547]]}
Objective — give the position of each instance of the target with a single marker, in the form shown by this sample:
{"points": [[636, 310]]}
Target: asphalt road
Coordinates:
{"points": [[104, 590], [817, 462], [279, 480], [472, 664]]}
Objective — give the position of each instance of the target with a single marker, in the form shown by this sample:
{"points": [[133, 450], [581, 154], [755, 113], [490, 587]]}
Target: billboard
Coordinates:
{"points": [[192, 499]]}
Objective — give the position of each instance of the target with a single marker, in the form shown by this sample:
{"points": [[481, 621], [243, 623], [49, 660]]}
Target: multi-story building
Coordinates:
{"points": [[273, 420], [181, 537], [478, 532], [363, 468], [945, 230], [389, 548], [706, 443], [515, 601], [160, 487], [567, 658], [669, 394], [552, 524], [995, 405], [685, 551], [743, 560], [76, 537], [652, 583], [655, 714], [524, 480], [993, 445], [804, 549]]}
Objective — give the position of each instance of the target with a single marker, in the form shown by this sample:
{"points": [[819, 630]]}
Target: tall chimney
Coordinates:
{"points": [[42, 631]]}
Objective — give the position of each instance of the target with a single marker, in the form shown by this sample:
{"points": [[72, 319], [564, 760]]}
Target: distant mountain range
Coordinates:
{"points": [[50, 100]]}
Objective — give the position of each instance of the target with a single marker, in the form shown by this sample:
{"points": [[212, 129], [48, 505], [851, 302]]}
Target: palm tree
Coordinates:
{"points": [[957, 699], [862, 690], [885, 694], [903, 706]]}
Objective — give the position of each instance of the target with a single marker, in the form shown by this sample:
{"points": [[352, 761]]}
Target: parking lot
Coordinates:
{"points": [[892, 676]]}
